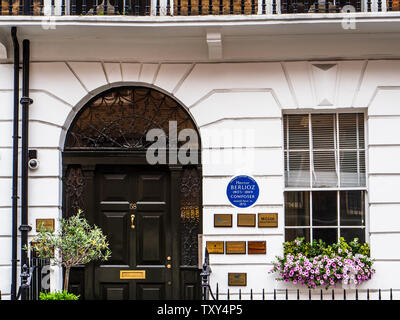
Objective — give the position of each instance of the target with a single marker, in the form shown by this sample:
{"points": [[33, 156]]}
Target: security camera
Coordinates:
{"points": [[33, 164]]}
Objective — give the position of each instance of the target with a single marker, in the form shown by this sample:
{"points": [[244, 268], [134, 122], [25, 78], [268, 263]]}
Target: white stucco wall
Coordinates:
{"points": [[246, 98]]}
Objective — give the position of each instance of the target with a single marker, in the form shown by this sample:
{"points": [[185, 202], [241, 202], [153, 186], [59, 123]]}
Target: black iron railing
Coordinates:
{"points": [[35, 278], [190, 7], [304, 294]]}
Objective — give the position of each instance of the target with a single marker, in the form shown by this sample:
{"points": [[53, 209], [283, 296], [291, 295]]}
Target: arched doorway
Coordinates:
{"points": [[150, 212]]}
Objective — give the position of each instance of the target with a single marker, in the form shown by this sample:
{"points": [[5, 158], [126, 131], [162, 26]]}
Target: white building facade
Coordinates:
{"points": [[304, 103]]}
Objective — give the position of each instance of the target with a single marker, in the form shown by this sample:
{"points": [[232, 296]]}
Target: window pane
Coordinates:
{"points": [[362, 169], [327, 235], [296, 132], [322, 126], [352, 208], [361, 130], [292, 234], [348, 131], [297, 208], [324, 174], [297, 169], [349, 169], [350, 233], [324, 208]]}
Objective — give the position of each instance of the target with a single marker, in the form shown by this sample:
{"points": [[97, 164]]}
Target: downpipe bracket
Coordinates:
{"points": [[26, 100], [25, 227]]}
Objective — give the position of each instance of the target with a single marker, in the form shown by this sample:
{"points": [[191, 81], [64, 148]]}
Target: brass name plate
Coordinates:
{"points": [[235, 247], [256, 247], [267, 220], [215, 247], [222, 220], [47, 224], [132, 274], [237, 279], [246, 220]]}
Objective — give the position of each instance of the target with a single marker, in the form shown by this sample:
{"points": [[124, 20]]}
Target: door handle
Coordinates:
{"points": [[132, 221]]}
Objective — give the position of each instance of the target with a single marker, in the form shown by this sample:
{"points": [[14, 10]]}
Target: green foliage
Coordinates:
{"points": [[319, 247], [74, 243], [58, 295], [317, 264]]}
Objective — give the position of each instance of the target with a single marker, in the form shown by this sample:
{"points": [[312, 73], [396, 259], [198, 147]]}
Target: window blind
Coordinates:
{"points": [[324, 150], [297, 153]]}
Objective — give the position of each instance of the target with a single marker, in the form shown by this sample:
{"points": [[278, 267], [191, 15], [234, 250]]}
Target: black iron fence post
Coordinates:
{"points": [[24, 288], [205, 276]]}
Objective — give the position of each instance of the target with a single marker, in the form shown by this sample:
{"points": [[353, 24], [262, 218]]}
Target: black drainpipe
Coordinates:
{"points": [[14, 210], [24, 227]]}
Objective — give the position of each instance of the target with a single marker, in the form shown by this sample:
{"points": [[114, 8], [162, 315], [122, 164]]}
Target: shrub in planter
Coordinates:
{"points": [[58, 295], [318, 265], [74, 243]]}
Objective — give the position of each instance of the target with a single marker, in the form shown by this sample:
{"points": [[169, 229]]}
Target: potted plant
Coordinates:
{"points": [[74, 243], [58, 295], [318, 265]]}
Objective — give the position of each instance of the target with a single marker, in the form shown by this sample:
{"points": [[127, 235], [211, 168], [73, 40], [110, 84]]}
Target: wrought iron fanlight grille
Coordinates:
{"points": [[190, 194], [121, 117], [74, 184]]}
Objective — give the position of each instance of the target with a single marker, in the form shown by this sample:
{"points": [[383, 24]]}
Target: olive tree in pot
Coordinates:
{"points": [[74, 243]]}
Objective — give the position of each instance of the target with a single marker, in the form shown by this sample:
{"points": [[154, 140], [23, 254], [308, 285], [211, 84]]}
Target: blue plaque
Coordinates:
{"points": [[242, 191]]}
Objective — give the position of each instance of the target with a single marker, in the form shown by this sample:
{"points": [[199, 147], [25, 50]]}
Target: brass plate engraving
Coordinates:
{"points": [[246, 220], [222, 220], [47, 224], [237, 279], [256, 247], [235, 247], [267, 220], [132, 274], [215, 247]]}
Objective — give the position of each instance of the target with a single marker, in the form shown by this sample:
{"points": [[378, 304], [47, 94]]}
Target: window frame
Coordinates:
{"points": [[338, 188]]}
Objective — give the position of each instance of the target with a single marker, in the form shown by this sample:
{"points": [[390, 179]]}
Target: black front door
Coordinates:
{"points": [[133, 209]]}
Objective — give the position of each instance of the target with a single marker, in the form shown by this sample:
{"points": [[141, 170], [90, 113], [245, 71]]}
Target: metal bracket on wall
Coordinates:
{"points": [[26, 100], [25, 227]]}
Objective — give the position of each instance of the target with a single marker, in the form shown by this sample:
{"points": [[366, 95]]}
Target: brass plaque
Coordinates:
{"points": [[132, 274], [222, 220], [47, 224], [246, 220], [267, 220], [215, 247], [256, 247], [235, 247], [237, 279]]}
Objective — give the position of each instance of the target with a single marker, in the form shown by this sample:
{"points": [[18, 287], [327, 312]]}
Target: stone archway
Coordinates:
{"points": [[151, 213]]}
